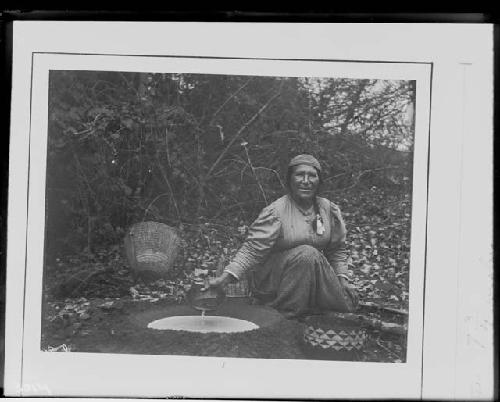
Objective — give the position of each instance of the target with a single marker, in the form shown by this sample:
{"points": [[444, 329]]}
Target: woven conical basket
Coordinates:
{"points": [[330, 337], [151, 247]]}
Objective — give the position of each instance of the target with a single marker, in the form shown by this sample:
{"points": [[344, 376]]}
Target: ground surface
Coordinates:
{"points": [[120, 326]]}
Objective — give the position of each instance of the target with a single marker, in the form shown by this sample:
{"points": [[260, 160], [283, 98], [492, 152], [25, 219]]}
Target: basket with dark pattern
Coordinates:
{"points": [[330, 337], [151, 247]]}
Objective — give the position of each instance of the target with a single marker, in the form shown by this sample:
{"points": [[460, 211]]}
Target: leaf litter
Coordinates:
{"points": [[379, 255]]}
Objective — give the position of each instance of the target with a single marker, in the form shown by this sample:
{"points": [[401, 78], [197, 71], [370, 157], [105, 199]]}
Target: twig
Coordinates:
{"points": [[243, 128], [280, 132], [242, 172], [237, 205], [228, 99], [91, 129], [84, 176], [378, 307], [89, 234], [152, 202], [274, 171], [362, 173], [164, 175], [387, 350], [355, 98], [83, 281], [129, 84], [167, 147], [219, 172], [254, 174], [228, 231], [376, 324]]}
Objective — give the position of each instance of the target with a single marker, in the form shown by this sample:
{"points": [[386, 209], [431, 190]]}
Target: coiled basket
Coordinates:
{"points": [[331, 337], [151, 248]]}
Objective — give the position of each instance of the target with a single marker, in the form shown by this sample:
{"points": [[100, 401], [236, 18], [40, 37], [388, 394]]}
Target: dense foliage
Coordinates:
{"points": [[189, 148]]}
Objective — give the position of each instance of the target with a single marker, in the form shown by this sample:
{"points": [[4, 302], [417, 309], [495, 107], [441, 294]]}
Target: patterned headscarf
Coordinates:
{"points": [[305, 159]]}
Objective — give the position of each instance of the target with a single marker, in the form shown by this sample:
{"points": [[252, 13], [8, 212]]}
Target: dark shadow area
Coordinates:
{"points": [[6, 62]]}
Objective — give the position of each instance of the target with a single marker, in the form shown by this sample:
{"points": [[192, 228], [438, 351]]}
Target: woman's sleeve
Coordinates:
{"points": [[336, 252], [262, 236]]}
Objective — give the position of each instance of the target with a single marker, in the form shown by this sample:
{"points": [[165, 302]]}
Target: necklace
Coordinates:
{"points": [[304, 211]]}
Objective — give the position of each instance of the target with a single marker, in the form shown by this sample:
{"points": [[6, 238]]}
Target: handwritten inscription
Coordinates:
{"points": [[36, 389]]}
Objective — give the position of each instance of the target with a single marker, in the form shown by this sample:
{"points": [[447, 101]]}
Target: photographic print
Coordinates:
{"points": [[267, 204], [229, 215]]}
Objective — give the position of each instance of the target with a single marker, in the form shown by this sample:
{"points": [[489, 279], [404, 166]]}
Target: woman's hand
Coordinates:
{"points": [[219, 282], [350, 290]]}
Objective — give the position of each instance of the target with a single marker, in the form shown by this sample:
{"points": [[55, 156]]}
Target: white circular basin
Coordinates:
{"points": [[196, 323]]}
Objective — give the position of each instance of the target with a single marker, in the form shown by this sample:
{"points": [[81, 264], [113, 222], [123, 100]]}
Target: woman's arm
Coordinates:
{"points": [[261, 238]]}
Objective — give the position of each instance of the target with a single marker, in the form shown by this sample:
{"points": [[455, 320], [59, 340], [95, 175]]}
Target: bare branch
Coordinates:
{"points": [[164, 175], [255, 175], [274, 171], [152, 202], [242, 129], [228, 99], [363, 172]]}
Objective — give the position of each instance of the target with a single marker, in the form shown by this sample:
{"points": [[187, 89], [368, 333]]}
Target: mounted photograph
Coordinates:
{"points": [[267, 212], [249, 211]]}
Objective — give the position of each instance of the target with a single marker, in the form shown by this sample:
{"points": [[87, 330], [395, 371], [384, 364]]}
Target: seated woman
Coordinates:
{"points": [[295, 249]]}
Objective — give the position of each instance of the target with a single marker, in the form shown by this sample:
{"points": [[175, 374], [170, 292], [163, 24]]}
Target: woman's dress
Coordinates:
{"points": [[292, 264]]}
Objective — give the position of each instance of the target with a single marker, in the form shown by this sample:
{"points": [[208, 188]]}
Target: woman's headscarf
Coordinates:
{"points": [[305, 159]]}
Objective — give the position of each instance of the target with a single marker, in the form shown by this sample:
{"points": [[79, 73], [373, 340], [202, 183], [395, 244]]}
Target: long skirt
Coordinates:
{"points": [[300, 281]]}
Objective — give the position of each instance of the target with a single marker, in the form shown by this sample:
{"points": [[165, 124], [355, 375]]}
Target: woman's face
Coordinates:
{"points": [[304, 182]]}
